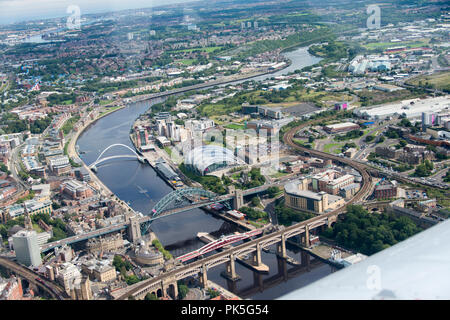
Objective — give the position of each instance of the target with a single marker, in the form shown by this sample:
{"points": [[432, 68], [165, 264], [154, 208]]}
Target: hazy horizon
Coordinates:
{"points": [[14, 11]]}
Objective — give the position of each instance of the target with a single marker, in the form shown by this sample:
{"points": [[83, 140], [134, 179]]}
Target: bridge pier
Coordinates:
{"points": [[258, 281], [305, 237], [305, 258], [331, 220], [134, 229], [281, 247], [231, 286], [230, 273], [238, 200], [282, 267], [169, 287], [203, 277], [256, 260]]}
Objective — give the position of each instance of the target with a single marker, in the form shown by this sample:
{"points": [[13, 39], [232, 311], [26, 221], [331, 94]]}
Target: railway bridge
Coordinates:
{"points": [[165, 284]]}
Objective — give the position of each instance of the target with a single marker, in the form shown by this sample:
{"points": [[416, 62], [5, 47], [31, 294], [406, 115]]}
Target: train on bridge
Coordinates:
{"points": [[219, 243]]}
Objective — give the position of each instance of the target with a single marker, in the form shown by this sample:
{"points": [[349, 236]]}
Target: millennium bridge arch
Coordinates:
{"points": [[99, 159]]}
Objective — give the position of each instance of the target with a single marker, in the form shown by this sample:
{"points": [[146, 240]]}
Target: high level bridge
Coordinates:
{"points": [[166, 284]]}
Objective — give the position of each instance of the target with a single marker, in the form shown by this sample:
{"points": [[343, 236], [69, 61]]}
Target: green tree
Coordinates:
{"points": [[182, 290], [151, 296], [255, 201]]}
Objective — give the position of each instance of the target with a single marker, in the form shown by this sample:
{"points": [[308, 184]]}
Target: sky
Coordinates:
{"points": [[12, 11]]}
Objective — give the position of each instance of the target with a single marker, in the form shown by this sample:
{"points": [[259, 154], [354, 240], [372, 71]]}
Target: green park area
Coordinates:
{"points": [[333, 147], [204, 49], [235, 126], [68, 126], [369, 233], [292, 96], [386, 45], [440, 81], [109, 110], [187, 62]]}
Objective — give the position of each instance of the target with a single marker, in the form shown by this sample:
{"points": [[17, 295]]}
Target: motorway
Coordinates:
{"points": [[48, 286]]}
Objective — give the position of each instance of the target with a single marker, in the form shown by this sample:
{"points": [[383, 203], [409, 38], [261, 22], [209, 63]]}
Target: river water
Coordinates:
{"points": [[140, 186]]}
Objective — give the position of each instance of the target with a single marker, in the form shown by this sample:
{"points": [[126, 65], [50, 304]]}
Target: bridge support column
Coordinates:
{"points": [[173, 290], [258, 281], [282, 267], [305, 258], [331, 220], [307, 243], [231, 286], [134, 230], [230, 273], [281, 247], [203, 277], [238, 200], [257, 256]]}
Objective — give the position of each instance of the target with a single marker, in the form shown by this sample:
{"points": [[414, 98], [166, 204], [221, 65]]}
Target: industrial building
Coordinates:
{"points": [[341, 127], [408, 108]]}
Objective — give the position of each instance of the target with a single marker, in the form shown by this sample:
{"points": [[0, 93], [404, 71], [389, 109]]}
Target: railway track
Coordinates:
{"points": [[33, 278], [366, 178]]}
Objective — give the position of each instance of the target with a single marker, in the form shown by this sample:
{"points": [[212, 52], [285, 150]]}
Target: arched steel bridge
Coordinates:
{"points": [[127, 156], [174, 201]]}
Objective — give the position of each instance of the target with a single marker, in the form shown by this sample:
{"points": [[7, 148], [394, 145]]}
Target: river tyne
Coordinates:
{"points": [[140, 186]]}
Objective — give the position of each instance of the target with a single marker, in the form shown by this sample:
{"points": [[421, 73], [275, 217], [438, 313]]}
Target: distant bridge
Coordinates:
{"points": [[169, 205], [127, 156]]}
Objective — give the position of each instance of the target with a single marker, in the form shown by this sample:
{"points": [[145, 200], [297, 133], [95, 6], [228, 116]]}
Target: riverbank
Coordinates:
{"points": [[72, 153]]}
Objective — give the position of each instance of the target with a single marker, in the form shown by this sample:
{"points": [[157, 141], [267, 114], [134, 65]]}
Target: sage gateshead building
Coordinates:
{"points": [[206, 159]]}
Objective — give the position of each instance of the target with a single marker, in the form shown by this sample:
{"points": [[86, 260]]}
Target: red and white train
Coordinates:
{"points": [[219, 243]]}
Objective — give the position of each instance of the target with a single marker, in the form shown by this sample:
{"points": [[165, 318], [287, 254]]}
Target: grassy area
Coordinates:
{"points": [[68, 126], [187, 62], [168, 150], [285, 98], [440, 81], [279, 175], [442, 196], [37, 228], [218, 109], [235, 126], [258, 224], [369, 98], [304, 143], [336, 146], [109, 110], [386, 45], [205, 49], [105, 102]]}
